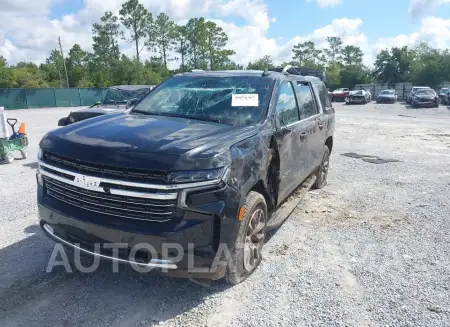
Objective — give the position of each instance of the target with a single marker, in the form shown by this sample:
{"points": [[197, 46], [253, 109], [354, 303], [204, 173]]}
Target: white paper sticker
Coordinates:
{"points": [[244, 100]]}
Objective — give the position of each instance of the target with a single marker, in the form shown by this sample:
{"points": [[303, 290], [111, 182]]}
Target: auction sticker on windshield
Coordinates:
{"points": [[244, 100]]}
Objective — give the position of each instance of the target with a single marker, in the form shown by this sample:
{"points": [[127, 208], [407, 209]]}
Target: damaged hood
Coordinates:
{"points": [[146, 141]]}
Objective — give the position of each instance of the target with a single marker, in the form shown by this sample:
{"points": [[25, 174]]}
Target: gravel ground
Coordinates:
{"points": [[370, 249]]}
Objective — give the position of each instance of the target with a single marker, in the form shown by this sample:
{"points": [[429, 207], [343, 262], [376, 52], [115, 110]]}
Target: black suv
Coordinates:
{"points": [[192, 176]]}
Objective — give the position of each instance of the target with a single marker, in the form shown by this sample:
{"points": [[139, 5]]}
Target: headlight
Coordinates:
{"points": [[192, 176]]}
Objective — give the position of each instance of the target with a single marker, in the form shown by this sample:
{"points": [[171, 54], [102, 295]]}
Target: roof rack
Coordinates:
{"points": [[302, 71]]}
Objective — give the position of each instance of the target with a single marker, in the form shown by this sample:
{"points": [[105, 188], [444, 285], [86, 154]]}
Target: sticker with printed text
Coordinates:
{"points": [[244, 100]]}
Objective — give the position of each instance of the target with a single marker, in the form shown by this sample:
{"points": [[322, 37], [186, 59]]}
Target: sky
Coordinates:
{"points": [[29, 29]]}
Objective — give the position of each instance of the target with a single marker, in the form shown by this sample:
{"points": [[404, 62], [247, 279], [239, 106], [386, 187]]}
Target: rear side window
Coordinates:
{"points": [[323, 96], [287, 110], [306, 101]]}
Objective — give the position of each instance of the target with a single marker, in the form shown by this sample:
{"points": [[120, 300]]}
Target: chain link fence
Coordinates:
{"points": [[50, 97]]}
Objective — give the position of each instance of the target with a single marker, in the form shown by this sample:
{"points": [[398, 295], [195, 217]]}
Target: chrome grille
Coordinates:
{"points": [[111, 204], [127, 174]]}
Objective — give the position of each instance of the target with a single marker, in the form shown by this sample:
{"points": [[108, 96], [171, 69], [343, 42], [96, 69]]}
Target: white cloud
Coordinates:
{"points": [[419, 8], [30, 35], [326, 3], [433, 30]]}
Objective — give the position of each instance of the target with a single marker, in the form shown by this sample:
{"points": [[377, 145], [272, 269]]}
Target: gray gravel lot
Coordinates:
{"points": [[370, 249]]}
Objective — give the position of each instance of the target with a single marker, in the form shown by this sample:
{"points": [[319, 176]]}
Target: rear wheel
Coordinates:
{"points": [[322, 172], [246, 254]]}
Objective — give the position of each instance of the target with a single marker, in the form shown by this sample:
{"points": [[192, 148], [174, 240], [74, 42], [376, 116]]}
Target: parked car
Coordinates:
{"points": [[201, 162], [358, 96], [444, 96], [387, 96], [340, 94], [410, 94], [425, 98], [117, 98]]}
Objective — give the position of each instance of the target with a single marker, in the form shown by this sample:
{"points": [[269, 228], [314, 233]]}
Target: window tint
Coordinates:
{"points": [[286, 109], [306, 101]]}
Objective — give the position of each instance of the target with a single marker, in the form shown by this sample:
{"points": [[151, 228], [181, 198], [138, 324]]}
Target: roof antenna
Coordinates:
{"points": [[285, 70]]}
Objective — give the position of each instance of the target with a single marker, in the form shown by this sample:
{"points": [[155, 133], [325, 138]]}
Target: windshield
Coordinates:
{"points": [[117, 96], [236, 100], [425, 92], [443, 90], [387, 92]]}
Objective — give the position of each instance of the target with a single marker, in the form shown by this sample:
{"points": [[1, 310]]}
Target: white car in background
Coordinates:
{"points": [[358, 96]]}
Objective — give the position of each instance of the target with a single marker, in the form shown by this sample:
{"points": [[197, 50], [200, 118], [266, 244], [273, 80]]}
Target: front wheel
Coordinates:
{"points": [[9, 157], [322, 172], [245, 256]]}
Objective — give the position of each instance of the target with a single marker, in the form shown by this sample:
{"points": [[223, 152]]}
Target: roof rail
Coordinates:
{"points": [[302, 71], [197, 70]]}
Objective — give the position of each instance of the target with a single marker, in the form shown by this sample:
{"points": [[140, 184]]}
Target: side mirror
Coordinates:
{"points": [[132, 102]]}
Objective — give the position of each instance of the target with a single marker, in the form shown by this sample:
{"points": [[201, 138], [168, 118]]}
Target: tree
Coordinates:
{"points": [[263, 63], [306, 55], [106, 34], [76, 66], [385, 69], [334, 48], [165, 36], [54, 68], [333, 73], [138, 21], [181, 44], [196, 34], [351, 75], [394, 65], [352, 55], [216, 40]]}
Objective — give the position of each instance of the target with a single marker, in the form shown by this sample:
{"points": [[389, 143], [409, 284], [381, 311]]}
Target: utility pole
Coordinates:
{"points": [[64, 61]]}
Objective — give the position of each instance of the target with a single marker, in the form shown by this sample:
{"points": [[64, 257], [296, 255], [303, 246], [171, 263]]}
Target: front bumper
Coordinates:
{"points": [[185, 245], [386, 100], [355, 99], [424, 103]]}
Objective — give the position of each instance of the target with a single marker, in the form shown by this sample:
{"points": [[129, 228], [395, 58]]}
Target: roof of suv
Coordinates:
{"points": [[270, 74]]}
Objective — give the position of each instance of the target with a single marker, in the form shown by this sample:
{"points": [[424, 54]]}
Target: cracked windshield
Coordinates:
{"points": [[218, 99]]}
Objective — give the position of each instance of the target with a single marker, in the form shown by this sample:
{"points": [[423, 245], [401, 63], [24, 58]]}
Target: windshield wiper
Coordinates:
{"points": [[179, 116]]}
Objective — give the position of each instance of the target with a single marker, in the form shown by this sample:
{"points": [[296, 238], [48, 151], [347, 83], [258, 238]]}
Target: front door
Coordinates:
{"points": [[291, 140]]}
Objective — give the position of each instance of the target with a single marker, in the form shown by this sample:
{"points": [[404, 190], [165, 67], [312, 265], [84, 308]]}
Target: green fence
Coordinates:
{"points": [[50, 97]]}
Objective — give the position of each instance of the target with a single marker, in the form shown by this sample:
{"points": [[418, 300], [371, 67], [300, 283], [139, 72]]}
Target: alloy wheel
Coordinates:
{"points": [[254, 240]]}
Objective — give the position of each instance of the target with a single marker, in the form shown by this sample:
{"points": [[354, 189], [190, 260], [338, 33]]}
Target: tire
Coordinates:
{"points": [[241, 262], [9, 157], [322, 172]]}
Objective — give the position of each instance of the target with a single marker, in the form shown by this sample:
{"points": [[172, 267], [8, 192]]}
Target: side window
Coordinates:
{"points": [[287, 110], [306, 101], [323, 95]]}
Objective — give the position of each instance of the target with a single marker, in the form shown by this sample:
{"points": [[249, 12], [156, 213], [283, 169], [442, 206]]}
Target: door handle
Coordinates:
{"points": [[303, 136], [321, 125]]}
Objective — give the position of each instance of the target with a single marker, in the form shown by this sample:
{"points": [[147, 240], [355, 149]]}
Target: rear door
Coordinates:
{"points": [[314, 124], [291, 140]]}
